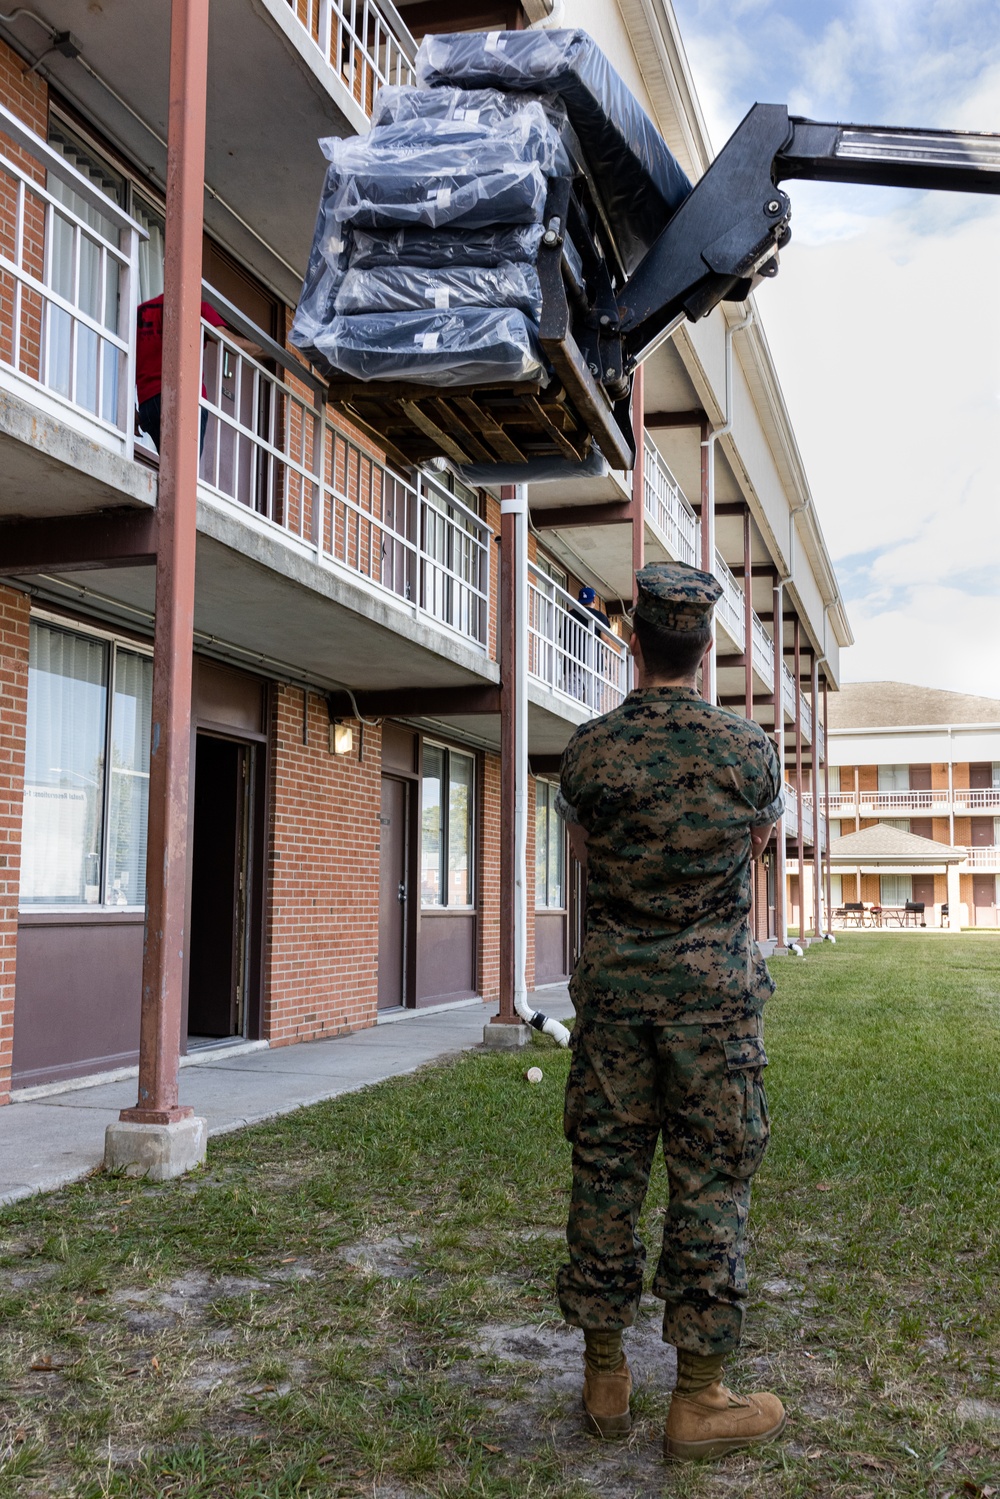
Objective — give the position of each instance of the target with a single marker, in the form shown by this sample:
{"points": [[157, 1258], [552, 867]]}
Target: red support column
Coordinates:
{"points": [[164, 952], [820, 831], [826, 799], [638, 476], [707, 545], [780, 860], [747, 613], [801, 840]]}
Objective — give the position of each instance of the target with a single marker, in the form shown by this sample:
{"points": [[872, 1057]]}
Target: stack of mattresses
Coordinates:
{"points": [[423, 266]]}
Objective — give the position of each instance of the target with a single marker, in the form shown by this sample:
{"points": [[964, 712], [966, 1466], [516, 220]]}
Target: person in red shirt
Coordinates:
{"points": [[149, 362]]}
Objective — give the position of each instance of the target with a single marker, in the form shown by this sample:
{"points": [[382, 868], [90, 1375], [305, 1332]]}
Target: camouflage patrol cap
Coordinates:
{"points": [[676, 596]]}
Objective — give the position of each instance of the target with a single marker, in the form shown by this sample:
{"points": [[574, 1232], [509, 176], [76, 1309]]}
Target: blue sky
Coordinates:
{"points": [[883, 323]]}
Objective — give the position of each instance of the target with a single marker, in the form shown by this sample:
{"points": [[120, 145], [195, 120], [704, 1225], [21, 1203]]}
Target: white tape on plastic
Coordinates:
{"points": [[441, 197], [428, 342], [471, 116], [442, 298], [493, 42]]}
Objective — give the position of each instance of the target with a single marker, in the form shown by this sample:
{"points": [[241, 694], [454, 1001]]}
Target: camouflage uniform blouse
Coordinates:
{"points": [[667, 788]]}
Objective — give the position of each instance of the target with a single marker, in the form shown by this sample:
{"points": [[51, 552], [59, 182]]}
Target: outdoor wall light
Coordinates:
{"points": [[341, 739]]}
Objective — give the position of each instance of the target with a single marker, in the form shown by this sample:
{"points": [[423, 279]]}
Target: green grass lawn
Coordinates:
{"points": [[358, 1299]]}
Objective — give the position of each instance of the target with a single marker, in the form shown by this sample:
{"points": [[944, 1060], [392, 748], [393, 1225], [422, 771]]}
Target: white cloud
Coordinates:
{"points": [[883, 322], [943, 638]]}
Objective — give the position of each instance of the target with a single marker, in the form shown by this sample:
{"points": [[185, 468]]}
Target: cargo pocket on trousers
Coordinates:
{"points": [[745, 1061]]}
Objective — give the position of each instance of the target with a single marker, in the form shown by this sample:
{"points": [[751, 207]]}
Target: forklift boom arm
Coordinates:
{"points": [[725, 236]]}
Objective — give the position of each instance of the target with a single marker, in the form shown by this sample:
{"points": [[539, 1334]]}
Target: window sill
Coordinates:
{"points": [[81, 916]]}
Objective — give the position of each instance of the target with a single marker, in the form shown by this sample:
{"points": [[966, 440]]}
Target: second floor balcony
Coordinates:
{"points": [[571, 653], [938, 802]]}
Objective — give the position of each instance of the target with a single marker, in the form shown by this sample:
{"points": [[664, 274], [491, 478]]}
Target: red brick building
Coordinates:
{"points": [[344, 823]]}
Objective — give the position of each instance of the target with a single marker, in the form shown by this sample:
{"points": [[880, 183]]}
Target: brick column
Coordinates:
{"points": [[13, 727]]}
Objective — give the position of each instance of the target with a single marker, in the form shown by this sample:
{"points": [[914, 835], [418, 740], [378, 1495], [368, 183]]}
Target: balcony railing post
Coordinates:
{"points": [[126, 370]]}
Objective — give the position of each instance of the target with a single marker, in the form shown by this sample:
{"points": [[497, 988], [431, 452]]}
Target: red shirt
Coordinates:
{"points": [[149, 346]]}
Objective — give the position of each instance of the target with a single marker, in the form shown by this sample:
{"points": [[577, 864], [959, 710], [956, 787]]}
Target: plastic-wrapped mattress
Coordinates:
{"points": [[467, 346], [639, 180], [384, 200], [328, 262], [402, 104], [417, 246], [411, 289]]}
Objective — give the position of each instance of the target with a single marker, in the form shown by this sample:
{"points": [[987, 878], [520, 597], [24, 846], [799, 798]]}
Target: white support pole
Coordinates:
{"points": [[519, 507]]}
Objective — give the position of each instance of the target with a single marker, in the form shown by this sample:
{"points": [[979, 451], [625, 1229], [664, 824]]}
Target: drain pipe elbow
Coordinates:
{"points": [[540, 1022]]}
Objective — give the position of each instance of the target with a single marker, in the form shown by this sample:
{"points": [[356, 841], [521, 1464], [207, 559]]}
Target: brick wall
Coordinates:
{"points": [[13, 724], [530, 887], [488, 957], [322, 920], [26, 96]]}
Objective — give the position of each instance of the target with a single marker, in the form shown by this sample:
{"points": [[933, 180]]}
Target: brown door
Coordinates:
{"points": [[982, 832], [981, 776], [217, 976], [984, 896], [920, 778], [393, 893], [923, 890]]}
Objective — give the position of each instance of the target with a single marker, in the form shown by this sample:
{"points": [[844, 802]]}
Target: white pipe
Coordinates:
{"points": [[518, 508], [708, 518]]}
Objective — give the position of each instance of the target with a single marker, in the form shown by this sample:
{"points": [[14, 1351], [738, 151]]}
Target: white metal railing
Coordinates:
{"points": [[788, 702], [570, 651], [667, 509], [902, 802], [837, 801], [731, 606], [364, 42], [978, 800], [984, 856], [68, 280], [791, 810], [762, 652], [269, 449]]}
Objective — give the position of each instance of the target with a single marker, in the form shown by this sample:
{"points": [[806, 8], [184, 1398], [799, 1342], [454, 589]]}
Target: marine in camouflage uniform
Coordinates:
{"points": [[668, 991]]}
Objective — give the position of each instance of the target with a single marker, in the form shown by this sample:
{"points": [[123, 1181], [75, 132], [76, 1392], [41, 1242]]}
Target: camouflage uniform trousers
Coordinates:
{"points": [[701, 1087]]}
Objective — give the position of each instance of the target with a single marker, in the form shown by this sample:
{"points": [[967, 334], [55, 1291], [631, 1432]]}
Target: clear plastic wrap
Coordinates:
{"points": [[402, 104], [444, 248], [388, 200], [536, 470], [465, 347], [432, 147], [325, 271], [405, 288], [639, 180]]}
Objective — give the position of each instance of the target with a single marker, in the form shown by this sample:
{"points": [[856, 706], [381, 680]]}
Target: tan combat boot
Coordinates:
{"points": [[605, 1401], [715, 1421]]}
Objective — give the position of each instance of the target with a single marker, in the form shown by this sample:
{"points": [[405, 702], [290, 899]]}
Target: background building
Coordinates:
{"points": [[923, 763], [345, 819]]}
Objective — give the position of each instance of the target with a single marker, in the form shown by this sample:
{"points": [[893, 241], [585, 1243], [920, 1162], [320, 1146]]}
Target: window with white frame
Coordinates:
{"points": [[86, 776], [446, 828], [836, 890], [550, 850], [895, 889], [894, 778], [833, 771]]}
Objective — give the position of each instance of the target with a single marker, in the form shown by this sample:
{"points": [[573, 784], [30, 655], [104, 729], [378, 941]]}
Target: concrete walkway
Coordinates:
{"points": [[47, 1142]]}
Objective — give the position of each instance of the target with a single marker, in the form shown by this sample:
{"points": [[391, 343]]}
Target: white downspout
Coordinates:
{"points": [[708, 519], [518, 507]]}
